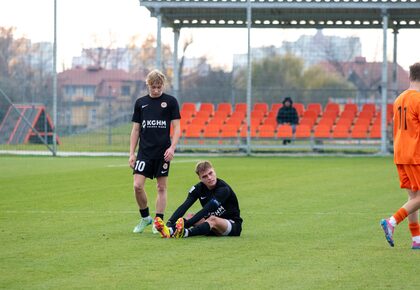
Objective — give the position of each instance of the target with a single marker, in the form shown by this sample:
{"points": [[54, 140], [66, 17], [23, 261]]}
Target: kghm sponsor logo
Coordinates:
{"points": [[154, 124]]}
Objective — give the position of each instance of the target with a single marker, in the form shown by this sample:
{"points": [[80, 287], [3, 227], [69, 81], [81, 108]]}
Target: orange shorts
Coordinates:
{"points": [[409, 176]]}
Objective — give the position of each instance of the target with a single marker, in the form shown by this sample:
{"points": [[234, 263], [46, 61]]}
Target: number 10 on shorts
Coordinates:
{"points": [[139, 165]]}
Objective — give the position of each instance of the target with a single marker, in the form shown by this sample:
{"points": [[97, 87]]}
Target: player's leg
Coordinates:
{"points": [[161, 197], [413, 222], [141, 199], [408, 180]]}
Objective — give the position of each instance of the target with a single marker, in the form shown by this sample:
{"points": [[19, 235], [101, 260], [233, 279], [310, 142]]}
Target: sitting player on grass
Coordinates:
{"points": [[220, 215]]}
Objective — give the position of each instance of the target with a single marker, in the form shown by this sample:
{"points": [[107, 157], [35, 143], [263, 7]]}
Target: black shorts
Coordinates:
{"points": [[151, 168], [236, 229]]}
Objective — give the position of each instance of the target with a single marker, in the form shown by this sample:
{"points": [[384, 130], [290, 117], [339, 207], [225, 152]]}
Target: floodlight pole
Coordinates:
{"points": [[249, 80], [384, 86], [54, 127], [176, 66], [159, 40]]}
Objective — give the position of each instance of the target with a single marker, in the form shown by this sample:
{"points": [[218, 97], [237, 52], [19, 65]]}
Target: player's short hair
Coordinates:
{"points": [[415, 72], [155, 77], [202, 166]]}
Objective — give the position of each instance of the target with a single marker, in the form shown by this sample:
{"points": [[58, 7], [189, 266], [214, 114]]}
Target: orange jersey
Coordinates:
{"points": [[407, 128]]}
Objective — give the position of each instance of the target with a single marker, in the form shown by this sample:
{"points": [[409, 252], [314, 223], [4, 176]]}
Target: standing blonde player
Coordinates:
{"points": [[152, 119], [407, 158]]}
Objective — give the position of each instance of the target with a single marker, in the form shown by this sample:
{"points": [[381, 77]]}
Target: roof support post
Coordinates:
{"points": [[176, 65], [54, 116], [159, 40], [384, 85], [394, 65], [249, 79]]}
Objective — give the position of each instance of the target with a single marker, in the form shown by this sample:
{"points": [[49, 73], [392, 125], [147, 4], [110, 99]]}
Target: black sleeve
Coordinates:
{"points": [[279, 113], [220, 196], [137, 113], [175, 110], [182, 209], [295, 117]]}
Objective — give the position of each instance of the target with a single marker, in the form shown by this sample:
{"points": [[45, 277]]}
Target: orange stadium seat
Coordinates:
{"points": [[326, 121], [266, 131], [341, 131], [276, 107], [261, 107], [229, 131], [351, 107], [207, 107], [359, 132], [310, 122], [193, 131], [216, 121], [203, 114], [221, 114], [375, 132], [300, 108], [369, 107], [188, 107], [243, 131], [241, 107], [225, 107], [199, 121], [334, 107], [322, 131], [270, 121], [310, 114], [284, 131], [316, 107], [212, 131], [303, 131]]}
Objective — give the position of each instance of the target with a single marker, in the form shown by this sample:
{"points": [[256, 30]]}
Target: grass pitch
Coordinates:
{"points": [[309, 223]]}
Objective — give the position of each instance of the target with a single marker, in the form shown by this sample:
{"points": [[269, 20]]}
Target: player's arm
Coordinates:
{"points": [[134, 138], [169, 153], [182, 209], [220, 196]]}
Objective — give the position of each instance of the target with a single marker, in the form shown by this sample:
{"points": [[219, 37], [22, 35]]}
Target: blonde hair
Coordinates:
{"points": [[155, 77], [202, 166]]}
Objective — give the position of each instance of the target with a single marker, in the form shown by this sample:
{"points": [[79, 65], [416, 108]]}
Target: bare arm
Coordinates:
{"points": [[134, 138], [169, 153]]}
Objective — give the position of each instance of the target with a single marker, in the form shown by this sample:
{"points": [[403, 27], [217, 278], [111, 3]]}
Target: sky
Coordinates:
{"points": [[92, 23]]}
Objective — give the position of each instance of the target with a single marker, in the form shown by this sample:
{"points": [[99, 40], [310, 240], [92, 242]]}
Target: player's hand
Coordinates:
{"points": [[169, 154], [132, 160]]}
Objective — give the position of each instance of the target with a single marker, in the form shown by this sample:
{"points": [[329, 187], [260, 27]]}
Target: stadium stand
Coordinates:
{"points": [[224, 107], [303, 131], [322, 131], [315, 107], [300, 108], [341, 131], [284, 131], [266, 131], [261, 107], [14, 129]]}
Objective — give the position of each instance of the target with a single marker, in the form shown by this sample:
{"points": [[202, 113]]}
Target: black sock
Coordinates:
{"points": [[144, 212], [160, 215], [201, 229]]}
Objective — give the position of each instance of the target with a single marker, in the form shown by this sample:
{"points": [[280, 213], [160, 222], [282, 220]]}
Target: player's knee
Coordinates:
{"points": [[211, 220], [161, 188], [138, 187]]}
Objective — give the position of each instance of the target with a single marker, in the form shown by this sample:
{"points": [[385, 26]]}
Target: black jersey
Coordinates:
{"points": [[154, 116], [220, 201]]}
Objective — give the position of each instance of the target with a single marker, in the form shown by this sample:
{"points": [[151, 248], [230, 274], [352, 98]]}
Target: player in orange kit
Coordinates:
{"points": [[407, 157]]}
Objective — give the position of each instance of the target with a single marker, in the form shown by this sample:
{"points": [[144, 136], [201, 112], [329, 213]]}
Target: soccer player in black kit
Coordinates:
{"points": [[220, 215], [152, 119]]}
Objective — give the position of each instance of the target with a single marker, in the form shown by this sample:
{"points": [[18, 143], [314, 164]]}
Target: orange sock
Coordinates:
{"points": [[414, 229], [400, 215]]}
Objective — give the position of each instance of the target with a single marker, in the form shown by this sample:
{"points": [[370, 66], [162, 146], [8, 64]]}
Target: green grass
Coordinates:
{"points": [[309, 223]]}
